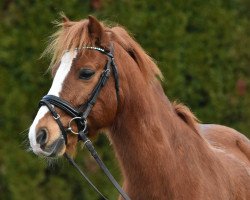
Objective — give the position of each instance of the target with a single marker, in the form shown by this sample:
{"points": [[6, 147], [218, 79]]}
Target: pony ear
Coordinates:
{"points": [[95, 30], [65, 20]]}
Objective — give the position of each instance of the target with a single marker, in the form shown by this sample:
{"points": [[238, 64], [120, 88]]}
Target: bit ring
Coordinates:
{"points": [[70, 122]]}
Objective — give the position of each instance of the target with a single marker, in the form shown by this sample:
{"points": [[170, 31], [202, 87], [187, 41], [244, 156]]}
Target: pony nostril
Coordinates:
{"points": [[42, 136]]}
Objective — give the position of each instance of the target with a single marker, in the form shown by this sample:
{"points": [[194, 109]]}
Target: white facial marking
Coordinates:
{"points": [[61, 73], [32, 132], [55, 89]]}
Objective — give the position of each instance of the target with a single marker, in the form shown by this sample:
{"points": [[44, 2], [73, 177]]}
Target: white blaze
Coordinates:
{"points": [[61, 73], [55, 89]]}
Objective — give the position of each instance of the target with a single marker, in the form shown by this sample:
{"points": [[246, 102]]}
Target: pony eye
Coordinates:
{"points": [[86, 74]]}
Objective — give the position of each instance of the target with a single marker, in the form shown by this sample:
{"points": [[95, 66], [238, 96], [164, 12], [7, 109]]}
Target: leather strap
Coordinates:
{"points": [[60, 103], [88, 144], [56, 116], [72, 162]]}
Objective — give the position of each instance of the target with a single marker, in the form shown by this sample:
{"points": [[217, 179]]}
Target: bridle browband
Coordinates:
{"points": [[79, 116]]}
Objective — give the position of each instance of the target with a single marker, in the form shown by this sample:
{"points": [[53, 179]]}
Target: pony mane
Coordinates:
{"points": [[71, 35], [145, 63], [186, 115]]}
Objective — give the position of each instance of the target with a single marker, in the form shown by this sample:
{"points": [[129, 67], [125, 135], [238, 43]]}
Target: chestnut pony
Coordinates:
{"points": [[163, 151]]}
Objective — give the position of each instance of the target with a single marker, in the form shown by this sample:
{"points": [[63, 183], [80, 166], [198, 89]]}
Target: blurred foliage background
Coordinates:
{"points": [[202, 47]]}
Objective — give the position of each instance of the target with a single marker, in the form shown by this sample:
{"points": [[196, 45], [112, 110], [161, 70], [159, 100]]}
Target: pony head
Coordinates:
{"points": [[76, 69]]}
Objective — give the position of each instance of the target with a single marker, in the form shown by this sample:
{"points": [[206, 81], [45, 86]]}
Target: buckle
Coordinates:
{"points": [[57, 116]]}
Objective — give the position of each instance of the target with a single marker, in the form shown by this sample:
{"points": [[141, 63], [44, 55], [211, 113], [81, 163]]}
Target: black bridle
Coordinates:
{"points": [[81, 113], [79, 116]]}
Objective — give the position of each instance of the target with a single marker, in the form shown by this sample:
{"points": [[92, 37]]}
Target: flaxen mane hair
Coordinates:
{"points": [[71, 35]]}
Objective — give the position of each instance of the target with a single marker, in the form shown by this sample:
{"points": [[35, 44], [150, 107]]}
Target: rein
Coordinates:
{"points": [[79, 115]]}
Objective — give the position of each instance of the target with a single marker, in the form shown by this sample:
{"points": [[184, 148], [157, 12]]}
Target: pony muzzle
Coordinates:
{"points": [[52, 150]]}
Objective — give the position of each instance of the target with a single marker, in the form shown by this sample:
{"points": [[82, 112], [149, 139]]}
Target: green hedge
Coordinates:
{"points": [[202, 47]]}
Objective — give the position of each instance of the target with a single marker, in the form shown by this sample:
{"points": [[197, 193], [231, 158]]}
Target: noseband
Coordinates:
{"points": [[79, 116]]}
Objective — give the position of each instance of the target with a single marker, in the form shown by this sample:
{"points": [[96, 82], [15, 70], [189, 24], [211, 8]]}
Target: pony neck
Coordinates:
{"points": [[150, 141]]}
